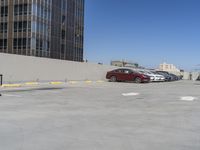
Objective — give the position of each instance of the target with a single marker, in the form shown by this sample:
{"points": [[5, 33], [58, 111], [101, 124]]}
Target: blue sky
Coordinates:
{"points": [[145, 31]]}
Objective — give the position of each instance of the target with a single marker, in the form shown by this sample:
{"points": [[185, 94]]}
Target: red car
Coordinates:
{"points": [[124, 74]]}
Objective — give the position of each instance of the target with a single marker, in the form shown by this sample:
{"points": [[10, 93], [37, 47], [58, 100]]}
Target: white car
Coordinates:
{"points": [[153, 77]]}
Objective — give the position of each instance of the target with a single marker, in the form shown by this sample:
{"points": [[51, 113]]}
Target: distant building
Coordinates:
{"points": [[124, 64], [168, 67], [43, 28]]}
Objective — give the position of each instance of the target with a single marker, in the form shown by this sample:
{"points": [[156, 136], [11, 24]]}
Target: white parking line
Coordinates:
{"points": [[130, 94], [188, 98]]}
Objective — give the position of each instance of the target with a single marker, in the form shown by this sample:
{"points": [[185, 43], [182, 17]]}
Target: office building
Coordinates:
{"points": [[43, 28], [123, 63], [168, 67]]}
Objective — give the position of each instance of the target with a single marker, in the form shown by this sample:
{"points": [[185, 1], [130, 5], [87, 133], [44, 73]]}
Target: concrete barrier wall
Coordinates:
{"points": [[195, 75], [186, 76], [17, 68]]}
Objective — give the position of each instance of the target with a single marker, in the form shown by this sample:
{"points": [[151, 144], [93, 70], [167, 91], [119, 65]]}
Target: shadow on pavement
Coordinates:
{"points": [[33, 89]]}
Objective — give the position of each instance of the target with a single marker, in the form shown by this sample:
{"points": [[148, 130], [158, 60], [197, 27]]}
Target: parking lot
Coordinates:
{"points": [[101, 116]]}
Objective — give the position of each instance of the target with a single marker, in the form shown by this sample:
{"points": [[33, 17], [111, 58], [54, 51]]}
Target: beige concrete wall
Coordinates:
{"points": [[25, 68], [195, 75], [186, 76], [191, 75]]}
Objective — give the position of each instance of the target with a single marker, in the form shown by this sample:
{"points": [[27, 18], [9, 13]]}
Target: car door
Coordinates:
{"points": [[119, 73], [127, 75]]}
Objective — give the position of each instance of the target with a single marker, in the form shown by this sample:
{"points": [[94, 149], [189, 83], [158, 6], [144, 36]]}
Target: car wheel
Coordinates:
{"points": [[138, 80], [113, 79]]}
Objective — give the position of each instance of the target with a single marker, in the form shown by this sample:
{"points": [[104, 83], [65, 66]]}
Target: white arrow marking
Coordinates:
{"points": [[188, 98], [130, 94]]}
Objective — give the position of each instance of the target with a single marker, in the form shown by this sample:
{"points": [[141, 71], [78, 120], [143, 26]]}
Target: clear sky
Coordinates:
{"points": [[145, 31]]}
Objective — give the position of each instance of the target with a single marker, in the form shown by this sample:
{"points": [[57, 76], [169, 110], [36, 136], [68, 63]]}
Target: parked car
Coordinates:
{"points": [[126, 74], [165, 74], [150, 75], [154, 77], [174, 77], [170, 76]]}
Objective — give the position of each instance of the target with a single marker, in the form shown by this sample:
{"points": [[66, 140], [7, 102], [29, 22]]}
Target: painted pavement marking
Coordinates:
{"points": [[188, 98], [130, 94]]}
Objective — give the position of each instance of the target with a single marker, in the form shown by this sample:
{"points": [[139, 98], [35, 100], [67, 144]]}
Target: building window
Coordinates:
{"points": [[15, 26], [21, 43], [22, 9], [62, 49], [41, 44], [24, 43], [16, 10], [3, 27], [63, 19], [3, 43], [4, 11], [15, 43], [37, 44], [25, 9], [22, 26], [63, 34]]}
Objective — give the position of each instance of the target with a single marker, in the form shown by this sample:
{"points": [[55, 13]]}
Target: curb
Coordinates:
{"points": [[88, 81], [56, 83], [31, 83], [27, 84], [11, 85], [73, 82], [100, 81]]}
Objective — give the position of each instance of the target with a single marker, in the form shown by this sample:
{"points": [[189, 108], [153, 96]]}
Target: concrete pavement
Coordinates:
{"points": [[102, 116]]}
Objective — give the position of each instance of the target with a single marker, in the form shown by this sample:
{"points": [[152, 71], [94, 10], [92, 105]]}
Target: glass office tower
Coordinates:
{"points": [[43, 28]]}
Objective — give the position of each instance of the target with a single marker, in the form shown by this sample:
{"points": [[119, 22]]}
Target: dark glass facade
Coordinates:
{"points": [[43, 28]]}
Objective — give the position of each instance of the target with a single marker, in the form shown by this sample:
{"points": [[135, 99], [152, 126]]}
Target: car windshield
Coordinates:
{"points": [[149, 72], [162, 73], [154, 72], [141, 71]]}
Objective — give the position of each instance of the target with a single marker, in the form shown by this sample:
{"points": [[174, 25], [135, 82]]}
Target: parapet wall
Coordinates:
{"points": [[17, 68]]}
